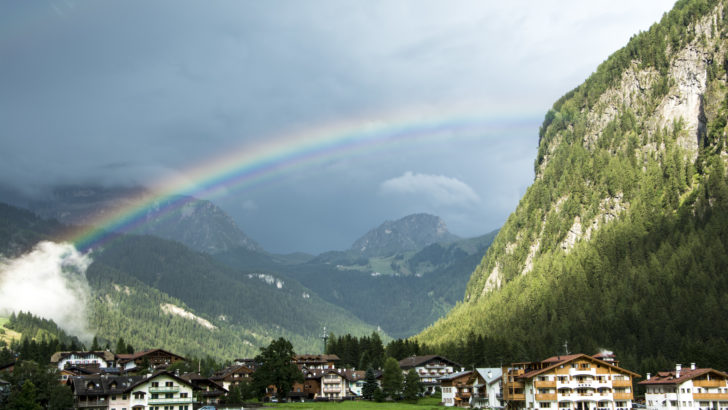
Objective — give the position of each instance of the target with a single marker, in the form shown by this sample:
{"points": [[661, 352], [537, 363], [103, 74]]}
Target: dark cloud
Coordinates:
{"points": [[128, 92]]}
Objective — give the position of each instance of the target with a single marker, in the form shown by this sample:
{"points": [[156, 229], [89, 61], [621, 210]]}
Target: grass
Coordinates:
{"points": [[7, 335], [422, 404]]}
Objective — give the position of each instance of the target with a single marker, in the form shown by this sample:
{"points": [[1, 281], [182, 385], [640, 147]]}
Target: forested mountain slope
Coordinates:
{"points": [[621, 241]]}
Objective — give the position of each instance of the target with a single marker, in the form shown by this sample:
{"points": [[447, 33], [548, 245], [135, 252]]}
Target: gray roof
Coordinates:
{"points": [[453, 376], [495, 374]]}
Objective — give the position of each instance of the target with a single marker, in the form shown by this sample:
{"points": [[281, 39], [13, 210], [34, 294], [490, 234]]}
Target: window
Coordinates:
{"points": [[155, 396], [155, 384], [168, 395], [169, 384], [183, 395], [544, 405]]}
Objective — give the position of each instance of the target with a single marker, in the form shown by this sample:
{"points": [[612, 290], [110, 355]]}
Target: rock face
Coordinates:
{"points": [[198, 224], [643, 112], [407, 234]]}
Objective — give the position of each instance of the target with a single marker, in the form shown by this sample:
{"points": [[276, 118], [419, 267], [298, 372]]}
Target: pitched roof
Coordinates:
{"points": [[554, 361], [97, 385], [236, 368], [104, 354], [348, 374], [496, 373], [127, 357], [453, 376], [685, 375], [414, 361]]}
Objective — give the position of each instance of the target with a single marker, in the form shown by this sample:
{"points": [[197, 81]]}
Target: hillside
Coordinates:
{"points": [[621, 240], [401, 293], [159, 293]]}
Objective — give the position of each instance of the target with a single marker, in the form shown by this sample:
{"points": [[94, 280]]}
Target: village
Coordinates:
{"points": [[147, 380]]}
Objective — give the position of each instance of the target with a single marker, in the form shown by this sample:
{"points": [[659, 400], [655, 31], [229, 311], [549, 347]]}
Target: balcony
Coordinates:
{"points": [[709, 383], [514, 385], [546, 397], [545, 384], [175, 400], [519, 396], [164, 389], [332, 389], [622, 383], [82, 404], [628, 396], [710, 396]]}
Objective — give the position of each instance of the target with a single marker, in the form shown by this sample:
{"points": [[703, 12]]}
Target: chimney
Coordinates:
{"points": [[648, 376], [692, 366], [490, 375], [678, 367]]}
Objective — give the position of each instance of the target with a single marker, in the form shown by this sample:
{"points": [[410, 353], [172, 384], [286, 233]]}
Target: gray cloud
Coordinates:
{"points": [[132, 92], [440, 189]]}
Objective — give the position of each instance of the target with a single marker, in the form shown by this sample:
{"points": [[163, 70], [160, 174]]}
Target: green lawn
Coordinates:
{"points": [[426, 403]]}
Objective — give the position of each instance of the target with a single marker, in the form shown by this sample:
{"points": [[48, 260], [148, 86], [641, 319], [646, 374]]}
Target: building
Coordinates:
{"points": [[94, 360], [691, 388], [329, 384], [232, 375], [161, 390], [430, 368], [487, 388], [570, 382], [156, 358], [207, 391], [455, 389]]}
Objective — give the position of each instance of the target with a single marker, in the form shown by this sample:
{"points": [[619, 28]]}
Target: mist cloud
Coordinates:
{"points": [[49, 282], [440, 189]]}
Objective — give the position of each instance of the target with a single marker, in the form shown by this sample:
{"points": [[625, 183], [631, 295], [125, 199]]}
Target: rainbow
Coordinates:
{"points": [[275, 156]]}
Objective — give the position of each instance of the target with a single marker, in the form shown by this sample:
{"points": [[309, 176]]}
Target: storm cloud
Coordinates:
{"points": [[124, 93]]}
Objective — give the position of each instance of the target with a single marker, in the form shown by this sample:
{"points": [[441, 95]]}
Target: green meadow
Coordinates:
{"points": [[422, 404]]}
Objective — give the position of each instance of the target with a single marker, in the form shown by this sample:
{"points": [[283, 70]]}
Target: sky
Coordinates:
{"points": [[135, 92]]}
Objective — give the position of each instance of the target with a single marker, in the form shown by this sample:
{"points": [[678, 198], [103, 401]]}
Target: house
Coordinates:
{"points": [[249, 363], [430, 368], [207, 391], [232, 375], [7, 367], [156, 358], [569, 382], [99, 392], [455, 389], [357, 381], [97, 359], [487, 388], [4, 391], [328, 384], [154, 391], [692, 388]]}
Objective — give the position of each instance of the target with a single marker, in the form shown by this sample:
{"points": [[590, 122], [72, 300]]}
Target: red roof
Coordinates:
{"points": [[685, 375]]}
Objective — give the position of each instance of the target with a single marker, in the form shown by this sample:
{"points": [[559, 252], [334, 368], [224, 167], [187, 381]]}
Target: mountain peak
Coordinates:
{"points": [[406, 234]]}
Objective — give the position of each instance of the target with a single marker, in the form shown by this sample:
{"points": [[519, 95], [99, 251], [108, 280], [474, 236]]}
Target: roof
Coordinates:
{"points": [[127, 357], [4, 382], [104, 354], [236, 368], [685, 375], [348, 374], [97, 385], [496, 373], [554, 361], [414, 361], [453, 376], [316, 358], [162, 373]]}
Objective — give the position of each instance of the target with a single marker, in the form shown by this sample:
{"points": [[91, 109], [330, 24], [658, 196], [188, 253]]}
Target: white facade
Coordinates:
{"points": [[161, 392], [687, 389], [487, 389], [334, 386], [83, 359]]}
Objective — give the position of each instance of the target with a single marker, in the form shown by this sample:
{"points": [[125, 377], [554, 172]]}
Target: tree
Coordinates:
{"points": [[412, 385], [277, 368], [95, 345], [120, 346], [24, 398], [391, 378], [370, 385]]}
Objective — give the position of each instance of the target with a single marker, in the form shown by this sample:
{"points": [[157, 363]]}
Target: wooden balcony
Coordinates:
{"points": [[545, 384], [624, 396], [519, 396], [546, 397], [514, 385], [709, 383], [621, 383], [710, 396]]}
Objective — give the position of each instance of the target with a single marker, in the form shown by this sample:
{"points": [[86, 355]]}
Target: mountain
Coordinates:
{"points": [[406, 234], [621, 242], [199, 224], [159, 293], [400, 293]]}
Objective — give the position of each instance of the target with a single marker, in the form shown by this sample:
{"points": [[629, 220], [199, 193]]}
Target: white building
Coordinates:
{"points": [[692, 388], [570, 382], [100, 359], [430, 368], [456, 388], [487, 388]]}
